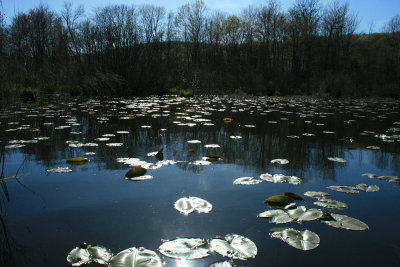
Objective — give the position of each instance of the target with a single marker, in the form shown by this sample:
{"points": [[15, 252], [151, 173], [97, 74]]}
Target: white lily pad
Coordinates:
{"points": [[136, 257], [336, 159], [246, 181], [370, 175], [280, 178], [330, 204], [187, 205], [85, 253], [221, 264], [140, 178], [185, 248], [212, 146], [59, 170], [114, 144], [303, 240], [367, 188], [280, 161], [277, 216], [344, 188], [346, 222], [316, 194], [234, 246]]}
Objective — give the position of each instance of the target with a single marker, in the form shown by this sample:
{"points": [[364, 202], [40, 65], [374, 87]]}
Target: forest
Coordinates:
{"points": [[122, 51]]}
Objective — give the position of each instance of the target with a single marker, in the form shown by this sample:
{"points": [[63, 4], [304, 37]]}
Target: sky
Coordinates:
{"points": [[372, 14]]}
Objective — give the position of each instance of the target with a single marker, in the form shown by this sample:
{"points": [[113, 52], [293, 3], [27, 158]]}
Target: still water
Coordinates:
{"points": [[46, 214]]}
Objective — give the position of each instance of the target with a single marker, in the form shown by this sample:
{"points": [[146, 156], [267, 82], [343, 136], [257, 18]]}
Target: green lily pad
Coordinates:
{"points": [[278, 201], [331, 204], [135, 172], [77, 161]]}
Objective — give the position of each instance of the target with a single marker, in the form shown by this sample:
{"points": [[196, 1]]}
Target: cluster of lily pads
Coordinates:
{"points": [[232, 246], [285, 210]]}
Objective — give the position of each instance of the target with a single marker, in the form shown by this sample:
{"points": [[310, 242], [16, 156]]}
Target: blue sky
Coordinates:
{"points": [[373, 13]]}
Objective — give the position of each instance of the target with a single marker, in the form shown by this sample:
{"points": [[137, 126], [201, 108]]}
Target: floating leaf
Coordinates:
{"points": [[185, 248], [140, 178], [246, 181], [194, 141], [302, 214], [280, 161], [294, 196], [303, 240], [135, 172], [187, 205], [212, 146], [346, 222], [59, 170], [276, 216], [344, 189], [280, 178], [316, 194], [278, 201], [136, 257], [342, 160], [234, 246], [330, 204], [77, 161], [369, 175], [228, 120], [114, 144], [85, 253], [367, 188], [221, 264]]}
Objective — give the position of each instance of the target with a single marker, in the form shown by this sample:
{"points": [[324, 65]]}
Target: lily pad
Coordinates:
{"points": [[234, 246], [367, 188], [246, 181], [221, 264], [370, 175], [300, 239], [85, 253], [336, 159], [316, 194], [346, 222], [301, 214], [59, 170], [280, 178], [136, 257], [276, 216], [294, 196], [135, 172], [344, 189], [330, 204], [140, 178], [187, 205], [77, 161], [185, 248], [280, 161], [278, 201]]}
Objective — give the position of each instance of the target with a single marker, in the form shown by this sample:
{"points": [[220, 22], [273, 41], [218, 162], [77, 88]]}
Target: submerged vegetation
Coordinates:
{"points": [[142, 50]]}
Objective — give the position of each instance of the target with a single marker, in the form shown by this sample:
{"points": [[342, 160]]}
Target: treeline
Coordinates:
{"points": [[139, 50]]}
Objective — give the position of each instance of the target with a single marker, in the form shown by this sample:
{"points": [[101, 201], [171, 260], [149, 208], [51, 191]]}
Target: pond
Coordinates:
{"points": [[194, 151]]}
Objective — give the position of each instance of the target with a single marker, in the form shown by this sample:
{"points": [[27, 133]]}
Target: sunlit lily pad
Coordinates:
{"points": [[194, 141], [187, 205], [185, 248], [369, 175], [234, 246], [336, 159], [77, 161], [346, 222], [276, 216], [114, 144], [140, 178], [235, 137], [316, 194], [300, 239], [59, 170], [280, 161], [302, 214], [221, 264], [212, 146], [246, 181], [201, 162], [330, 204], [85, 253], [136, 257], [280, 178], [367, 188], [344, 189]]}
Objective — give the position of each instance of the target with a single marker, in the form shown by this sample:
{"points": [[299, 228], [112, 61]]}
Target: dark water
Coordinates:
{"points": [[48, 214]]}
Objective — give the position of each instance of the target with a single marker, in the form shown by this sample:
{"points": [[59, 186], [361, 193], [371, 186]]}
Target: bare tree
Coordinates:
{"points": [[71, 18]]}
